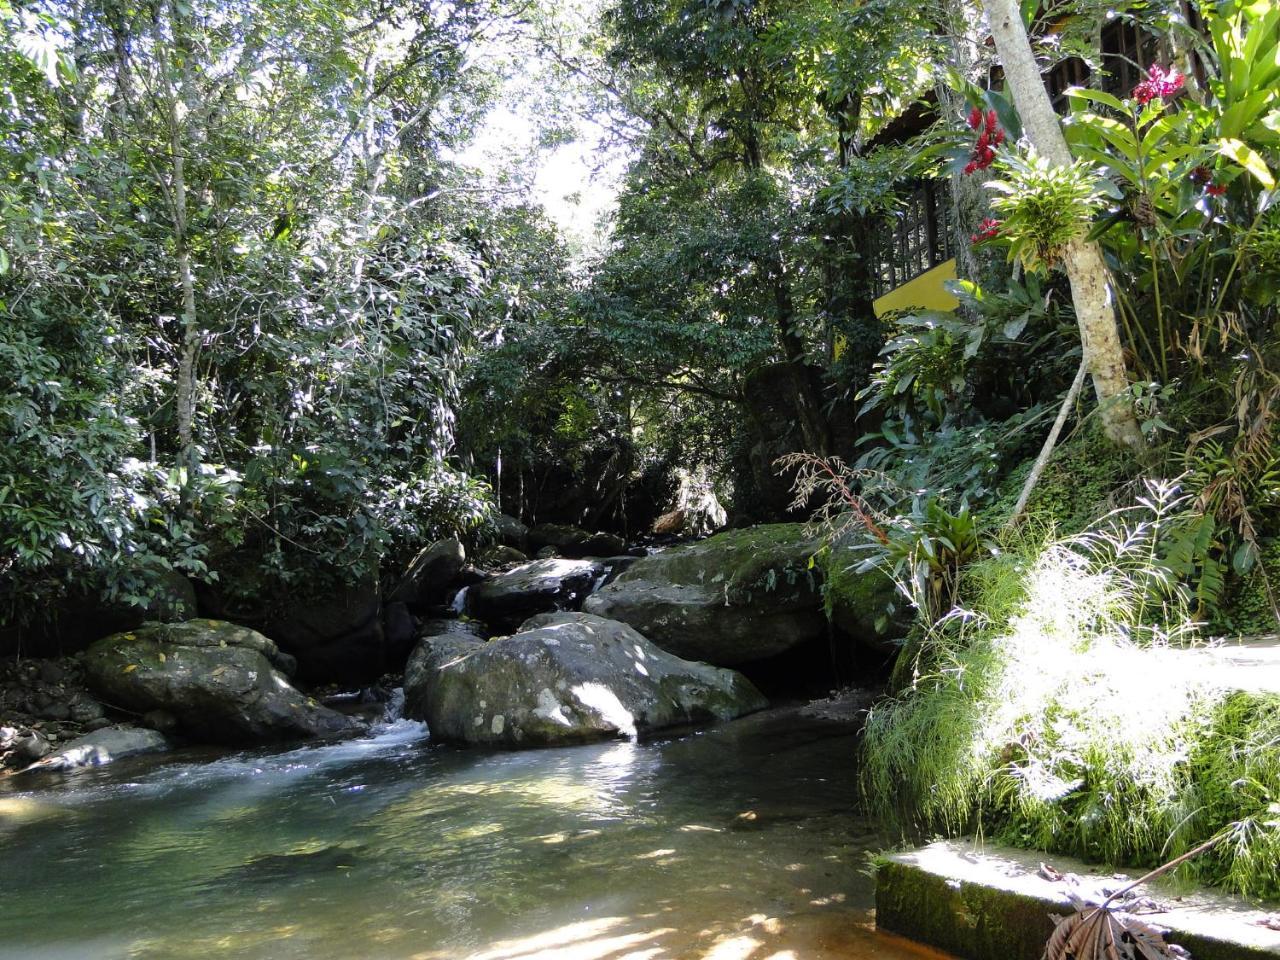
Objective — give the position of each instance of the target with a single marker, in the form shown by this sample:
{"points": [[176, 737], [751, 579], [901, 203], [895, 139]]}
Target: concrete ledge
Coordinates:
{"points": [[988, 903]]}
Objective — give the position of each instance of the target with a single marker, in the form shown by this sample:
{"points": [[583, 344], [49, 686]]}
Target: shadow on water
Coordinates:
{"points": [[741, 841]]}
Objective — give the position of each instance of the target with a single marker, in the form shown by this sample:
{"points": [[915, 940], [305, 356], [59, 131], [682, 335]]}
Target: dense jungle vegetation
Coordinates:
{"points": [[268, 329]]}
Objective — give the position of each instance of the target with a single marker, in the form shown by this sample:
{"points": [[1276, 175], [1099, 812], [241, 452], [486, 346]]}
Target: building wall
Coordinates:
{"points": [[925, 292]]}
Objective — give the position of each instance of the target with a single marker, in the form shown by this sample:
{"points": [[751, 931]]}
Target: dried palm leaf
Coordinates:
{"points": [[1097, 932]]}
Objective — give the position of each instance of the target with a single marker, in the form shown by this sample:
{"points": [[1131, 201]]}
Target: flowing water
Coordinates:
{"points": [[739, 841]]}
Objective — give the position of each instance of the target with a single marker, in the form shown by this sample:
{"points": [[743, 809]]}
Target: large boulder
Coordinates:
{"points": [[510, 598], [430, 574], [221, 682], [734, 598], [335, 637], [570, 541], [564, 678]]}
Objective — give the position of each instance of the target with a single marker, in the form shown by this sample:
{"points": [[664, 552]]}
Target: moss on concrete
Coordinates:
{"points": [[988, 903]]}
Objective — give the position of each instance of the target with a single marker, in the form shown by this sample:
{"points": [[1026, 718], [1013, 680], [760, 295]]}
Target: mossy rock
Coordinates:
{"points": [[866, 606], [737, 597], [216, 678], [564, 678]]}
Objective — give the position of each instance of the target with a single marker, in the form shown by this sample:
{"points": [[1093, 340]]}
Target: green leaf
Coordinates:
{"points": [[1248, 158], [1096, 96]]}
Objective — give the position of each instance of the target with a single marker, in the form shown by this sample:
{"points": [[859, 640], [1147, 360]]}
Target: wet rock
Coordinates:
{"points": [[21, 747], [574, 541], [563, 678], [217, 680], [510, 598], [430, 574], [439, 638], [733, 598], [547, 553], [104, 745]]}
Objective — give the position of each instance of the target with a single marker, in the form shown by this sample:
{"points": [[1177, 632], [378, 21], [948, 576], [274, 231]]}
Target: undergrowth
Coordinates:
{"points": [[1064, 716]]}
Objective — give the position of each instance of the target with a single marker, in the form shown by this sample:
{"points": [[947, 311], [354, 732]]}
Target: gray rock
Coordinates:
{"points": [[85, 710], [438, 638], [733, 598], [19, 747], [564, 678], [103, 746], [574, 541], [56, 711], [510, 598], [501, 555], [215, 678], [547, 553], [511, 532], [337, 637], [430, 574]]}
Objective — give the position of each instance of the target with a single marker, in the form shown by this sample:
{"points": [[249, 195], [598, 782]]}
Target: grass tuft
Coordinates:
{"points": [[1065, 717]]}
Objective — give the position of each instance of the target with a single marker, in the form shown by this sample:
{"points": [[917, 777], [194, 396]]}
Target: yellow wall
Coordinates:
{"points": [[925, 292]]}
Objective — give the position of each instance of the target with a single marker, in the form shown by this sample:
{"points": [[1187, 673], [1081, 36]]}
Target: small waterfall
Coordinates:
{"points": [[459, 603]]}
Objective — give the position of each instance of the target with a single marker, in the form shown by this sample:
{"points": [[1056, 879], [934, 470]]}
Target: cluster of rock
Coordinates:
{"points": [[586, 641], [44, 704]]}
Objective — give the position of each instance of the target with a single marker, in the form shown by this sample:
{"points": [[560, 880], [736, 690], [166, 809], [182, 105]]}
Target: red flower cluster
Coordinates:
{"points": [[988, 229], [989, 137], [1203, 177], [1216, 189], [1159, 83]]}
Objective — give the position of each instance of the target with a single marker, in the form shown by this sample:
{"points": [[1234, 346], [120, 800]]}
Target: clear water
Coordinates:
{"points": [[736, 842]]}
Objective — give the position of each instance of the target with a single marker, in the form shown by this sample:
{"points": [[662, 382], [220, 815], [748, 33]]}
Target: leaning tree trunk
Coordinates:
{"points": [[1090, 291]]}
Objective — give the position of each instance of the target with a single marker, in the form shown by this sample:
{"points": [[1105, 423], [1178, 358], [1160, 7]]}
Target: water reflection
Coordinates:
{"points": [[737, 842]]}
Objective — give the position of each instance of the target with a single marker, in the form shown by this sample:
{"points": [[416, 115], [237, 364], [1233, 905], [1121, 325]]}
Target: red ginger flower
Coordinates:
{"points": [[1216, 189], [1159, 83], [988, 229], [989, 137]]}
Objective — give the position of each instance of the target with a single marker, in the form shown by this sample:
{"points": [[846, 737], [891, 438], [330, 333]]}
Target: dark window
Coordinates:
{"points": [[917, 239]]}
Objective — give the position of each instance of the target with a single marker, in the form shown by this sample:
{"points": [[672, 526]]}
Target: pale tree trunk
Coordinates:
{"points": [[178, 108], [1090, 290]]}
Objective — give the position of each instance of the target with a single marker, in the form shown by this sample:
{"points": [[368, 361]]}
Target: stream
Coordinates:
{"points": [[738, 841]]}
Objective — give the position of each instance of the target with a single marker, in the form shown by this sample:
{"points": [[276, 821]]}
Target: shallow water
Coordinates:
{"points": [[736, 842]]}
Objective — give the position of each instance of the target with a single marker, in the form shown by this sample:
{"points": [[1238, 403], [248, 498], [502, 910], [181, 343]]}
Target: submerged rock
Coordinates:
{"points": [[510, 598], [564, 678], [736, 597], [220, 682]]}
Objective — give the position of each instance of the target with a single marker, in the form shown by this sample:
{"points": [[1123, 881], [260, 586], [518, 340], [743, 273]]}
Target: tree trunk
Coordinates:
{"points": [[1095, 310], [807, 393], [184, 401]]}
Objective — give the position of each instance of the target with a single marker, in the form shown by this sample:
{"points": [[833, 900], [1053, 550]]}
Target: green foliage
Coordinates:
{"points": [[1052, 712], [337, 284], [1045, 206]]}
